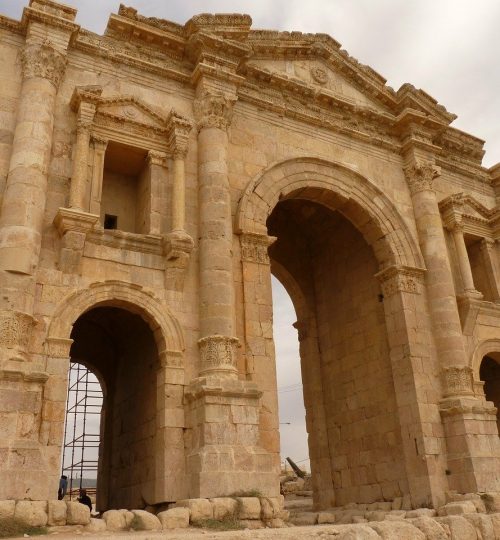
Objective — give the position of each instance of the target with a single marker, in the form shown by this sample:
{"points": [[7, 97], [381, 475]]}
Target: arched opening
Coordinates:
{"points": [[489, 373], [328, 267], [120, 347]]}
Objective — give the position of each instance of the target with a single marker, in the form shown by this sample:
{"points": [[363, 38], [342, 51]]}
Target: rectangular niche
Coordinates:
{"points": [[126, 189]]}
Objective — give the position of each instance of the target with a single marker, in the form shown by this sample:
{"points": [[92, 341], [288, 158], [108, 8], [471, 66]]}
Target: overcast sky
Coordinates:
{"points": [[449, 48]]}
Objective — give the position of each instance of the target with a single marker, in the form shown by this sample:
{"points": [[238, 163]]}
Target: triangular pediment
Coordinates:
{"points": [[130, 109], [317, 73]]}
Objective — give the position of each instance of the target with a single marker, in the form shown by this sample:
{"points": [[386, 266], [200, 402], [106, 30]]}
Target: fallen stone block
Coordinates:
{"points": [[248, 507], [391, 530], [326, 517], [460, 528], [96, 526], [252, 523], [457, 508], [129, 517], [359, 532], [430, 527], [174, 518], [305, 518], [277, 523], [224, 507], [421, 512], [33, 513], [491, 502], [56, 511], [115, 520], [145, 521], [199, 509], [483, 525], [77, 513], [270, 507], [375, 515], [7, 509]]}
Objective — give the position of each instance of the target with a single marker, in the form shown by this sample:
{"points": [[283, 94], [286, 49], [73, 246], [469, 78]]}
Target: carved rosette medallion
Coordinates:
{"points": [[458, 381], [218, 354], [400, 279], [420, 176], [45, 61], [213, 110], [15, 330], [254, 247], [319, 75]]}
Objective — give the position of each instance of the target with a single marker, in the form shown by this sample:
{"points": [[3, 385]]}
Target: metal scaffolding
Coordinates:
{"points": [[81, 429]]}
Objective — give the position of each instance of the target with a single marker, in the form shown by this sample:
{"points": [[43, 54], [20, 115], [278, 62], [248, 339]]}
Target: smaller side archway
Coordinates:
{"points": [[97, 325]]}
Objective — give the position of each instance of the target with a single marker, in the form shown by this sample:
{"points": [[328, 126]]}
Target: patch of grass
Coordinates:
{"points": [[229, 523], [247, 493], [13, 527]]}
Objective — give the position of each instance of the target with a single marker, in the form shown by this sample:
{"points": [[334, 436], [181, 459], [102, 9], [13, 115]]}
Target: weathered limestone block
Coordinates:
{"points": [[491, 502], [396, 530], [460, 528], [32, 512], [421, 512], [198, 509], [77, 513], [129, 517], [115, 520], [305, 518], [57, 513], [376, 515], [270, 507], [277, 523], [174, 518], [145, 521], [248, 507], [252, 523], [359, 519], [483, 525], [456, 508], [326, 517], [430, 527], [495, 521], [223, 507], [96, 525], [397, 503], [7, 509], [395, 515], [360, 532]]}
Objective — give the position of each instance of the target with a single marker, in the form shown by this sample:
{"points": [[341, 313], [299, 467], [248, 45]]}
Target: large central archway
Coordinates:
{"points": [[355, 275]]}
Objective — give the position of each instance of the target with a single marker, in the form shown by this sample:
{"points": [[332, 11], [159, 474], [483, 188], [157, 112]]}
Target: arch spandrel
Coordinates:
{"points": [[482, 349], [340, 188], [163, 323]]}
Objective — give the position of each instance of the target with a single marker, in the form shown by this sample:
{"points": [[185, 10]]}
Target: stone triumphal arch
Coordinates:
{"points": [[152, 180]]}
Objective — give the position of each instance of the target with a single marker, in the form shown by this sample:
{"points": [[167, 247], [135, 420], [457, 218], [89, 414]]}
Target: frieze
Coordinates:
{"points": [[254, 247], [420, 176], [458, 381], [43, 60], [213, 110], [218, 353], [15, 329], [400, 279]]}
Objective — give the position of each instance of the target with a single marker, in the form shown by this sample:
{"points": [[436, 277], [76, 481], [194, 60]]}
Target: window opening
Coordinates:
{"points": [[82, 430], [110, 221]]}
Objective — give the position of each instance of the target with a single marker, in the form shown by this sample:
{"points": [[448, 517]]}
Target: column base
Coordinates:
{"points": [[225, 456], [473, 444]]}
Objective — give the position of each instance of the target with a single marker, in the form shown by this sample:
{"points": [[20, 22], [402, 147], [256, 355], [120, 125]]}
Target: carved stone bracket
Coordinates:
{"points": [[420, 176], [73, 226], [178, 246], [58, 347], [15, 333], [458, 381], [213, 110], [218, 355], [400, 279], [157, 158], [178, 134], [254, 247], [43, 60]]}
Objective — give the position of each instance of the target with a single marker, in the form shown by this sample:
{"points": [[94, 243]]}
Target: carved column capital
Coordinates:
{"points": [[15, 331], [218, 355], [157, 158], [400, 279], [487, 244], [420, 176], [178, 135], [458, 381], [213, 110], [100, 143], [254, 247], [43, 60]]}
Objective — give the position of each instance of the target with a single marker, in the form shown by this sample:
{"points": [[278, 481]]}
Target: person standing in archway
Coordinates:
{"points": [[63, 487]]}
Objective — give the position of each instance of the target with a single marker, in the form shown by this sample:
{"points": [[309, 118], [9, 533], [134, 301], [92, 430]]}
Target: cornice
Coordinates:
{"points": [[11, 24]]}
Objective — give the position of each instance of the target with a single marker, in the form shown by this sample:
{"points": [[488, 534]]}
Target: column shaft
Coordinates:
{"points": [[97, 175], [463, 258], [178, 195], [78, 188], [488, 251]]}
